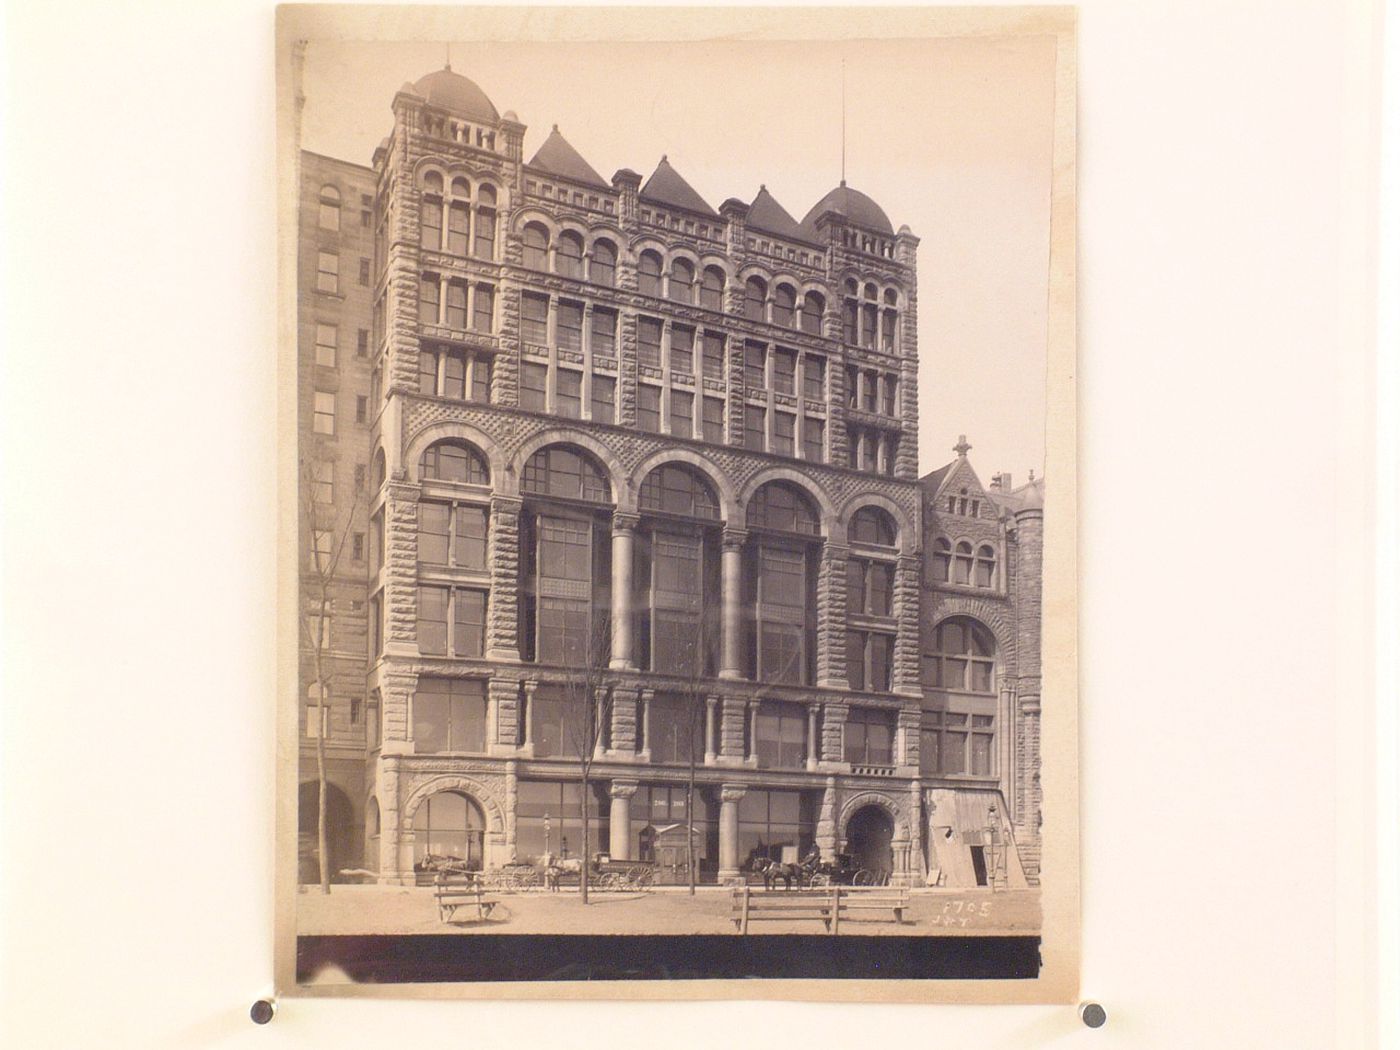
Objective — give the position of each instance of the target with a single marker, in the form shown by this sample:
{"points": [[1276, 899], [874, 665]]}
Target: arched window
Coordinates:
{"points": [[676, 489], [430, 213], [784, 305], [869, 317], [454, 461], [328, 213], [962, 563], [813, 305], [942, 560], [372, 820], [755, 295], [563, 473], [873, 526], [889, 321], [484, 240], [780, 574], [850, 313], [649, 274], [682, 281], [568, 255], [964, 655], [461, 187], [602, 267], [782, 506], [986, 571], [676, 572], [712, 288], [566, 559], [448, 824], [536, 247]]}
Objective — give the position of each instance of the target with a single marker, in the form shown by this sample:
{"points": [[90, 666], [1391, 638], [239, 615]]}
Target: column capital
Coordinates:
{"points": [[623, 788], [735, 537], [732, 792], [832, 551], [625, 522], [513, 504]]}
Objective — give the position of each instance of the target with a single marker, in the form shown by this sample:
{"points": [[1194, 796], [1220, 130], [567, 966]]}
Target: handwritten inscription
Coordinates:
{"points": [[961, 913]]}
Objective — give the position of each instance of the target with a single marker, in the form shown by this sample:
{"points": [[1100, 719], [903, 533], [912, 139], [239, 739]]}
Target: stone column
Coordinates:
{"points": [[620, 819], [645, 749], [512, 803], [503, 616], [623, 538], [711, 702], [905, 672], [732, 621], [729, 797], [813, 743], [831, 617], [826, 821], [731, 731], [527, 737]]}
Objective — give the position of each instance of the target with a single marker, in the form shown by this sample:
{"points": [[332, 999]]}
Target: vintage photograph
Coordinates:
{"points": [[670, 503]]}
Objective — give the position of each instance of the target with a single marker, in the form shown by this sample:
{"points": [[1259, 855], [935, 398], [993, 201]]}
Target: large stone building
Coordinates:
{"points": [[586, 446]]}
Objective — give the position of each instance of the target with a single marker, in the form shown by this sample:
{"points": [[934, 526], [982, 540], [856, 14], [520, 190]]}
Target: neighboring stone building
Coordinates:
{"points": [[618, 438]]}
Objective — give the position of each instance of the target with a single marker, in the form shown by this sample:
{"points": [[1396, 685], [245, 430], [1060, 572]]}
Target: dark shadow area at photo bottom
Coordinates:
{"points": [[430, 958]]}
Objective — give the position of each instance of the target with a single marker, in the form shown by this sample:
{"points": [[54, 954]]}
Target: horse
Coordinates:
{"points": [[771, 871], [554, 867]]}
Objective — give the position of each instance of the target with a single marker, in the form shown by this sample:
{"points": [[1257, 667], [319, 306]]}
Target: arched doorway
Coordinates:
{"points": [[340, 831], [448, 824], [868, 836]]}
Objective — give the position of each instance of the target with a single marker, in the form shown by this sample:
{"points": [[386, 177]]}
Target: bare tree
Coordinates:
{"points": [[589, 712], [328, 537]]}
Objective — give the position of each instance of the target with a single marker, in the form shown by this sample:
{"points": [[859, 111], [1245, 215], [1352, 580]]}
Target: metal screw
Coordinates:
{"points": [[1092, 1014], [262, 1011]]}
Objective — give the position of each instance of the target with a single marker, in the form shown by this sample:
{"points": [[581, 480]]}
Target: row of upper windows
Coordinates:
{"points": [[329, 205], [328, 272], [961, 565], [448, 221]]}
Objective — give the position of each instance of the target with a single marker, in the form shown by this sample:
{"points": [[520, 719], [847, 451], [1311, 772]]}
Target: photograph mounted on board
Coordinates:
{"points": [[678, 504]]}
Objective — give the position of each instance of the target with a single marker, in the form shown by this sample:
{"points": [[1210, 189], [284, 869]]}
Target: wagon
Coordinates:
{"points": [[623, 874], [843, 871]]}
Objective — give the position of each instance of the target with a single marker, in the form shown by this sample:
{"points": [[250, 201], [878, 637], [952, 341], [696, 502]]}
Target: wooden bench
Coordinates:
{"points": [[454, 890], [829, 906]]}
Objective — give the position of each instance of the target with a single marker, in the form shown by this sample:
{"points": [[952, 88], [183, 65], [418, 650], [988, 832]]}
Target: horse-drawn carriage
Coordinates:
{"points": [[604, 873], [813, 873]]}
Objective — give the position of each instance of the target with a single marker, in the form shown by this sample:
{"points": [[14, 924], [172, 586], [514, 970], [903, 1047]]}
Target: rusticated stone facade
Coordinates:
{"points": [[727, 386]]}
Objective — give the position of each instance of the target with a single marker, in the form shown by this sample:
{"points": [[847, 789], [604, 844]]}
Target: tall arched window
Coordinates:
{"points": [[484, 239], [889, 319], [568, 255], [566, 559], [960, 737], [870, 612], [755, 297], [712, 288], [964, 655], [536, 255], [676, 572], [869, 317], [784, 305], [602, 267], [448, 824], [649, 274], [430, 212], [813, 305], [328, 211], [962, 564], [454, 461], [850, 313], [784, 552], [871, 525], [459, 217], [942, 560], [986, 569], [682, 281]]}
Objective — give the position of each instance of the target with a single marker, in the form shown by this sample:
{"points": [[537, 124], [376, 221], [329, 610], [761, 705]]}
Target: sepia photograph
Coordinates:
{"points": [[677, 421]]}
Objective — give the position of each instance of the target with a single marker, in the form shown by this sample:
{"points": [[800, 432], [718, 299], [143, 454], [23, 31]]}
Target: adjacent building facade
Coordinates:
{"points": [[614, 472]]}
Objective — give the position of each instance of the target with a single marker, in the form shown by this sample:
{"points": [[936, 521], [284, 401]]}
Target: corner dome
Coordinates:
{"points": [[454, 92], [858, 209]]}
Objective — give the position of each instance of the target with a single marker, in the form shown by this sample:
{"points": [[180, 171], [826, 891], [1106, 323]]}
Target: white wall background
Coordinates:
{"points": [[1225, 486]]}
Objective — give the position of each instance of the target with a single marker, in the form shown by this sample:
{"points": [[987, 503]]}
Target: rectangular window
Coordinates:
{"points": [[649, 342], [814, 378], [755, 428], [469, 536], [454, 375], [484, 308], [323, 416], [327, 335], [456, 304], [533, 379], [362, 342], [361, 408], [361, 472], [783, 604], [890, 394], [649, 409], [952, 747], [366, 219], [458, 219], [534, 319], [452, 535], [870, 737], [869, 587], [848, 322], [887, 330], [322, 477], [568, 395], [677, 724], [481, 379], [364, 273], [429, 290], [434, 531], [569, 325], [714, 355], [773, 821], [449, 714], [682, 350], [327, 272], [430, 224], [813, 440], [852, 387], [784, 371], [867, 324], [979, 754], [563, 587], [468, 622], [682, 414], [871, 392], [784, 426], [780, 740], [427, 371], [484, 243], [604, 399], [755, 374], [603, 331], [432, 620], [714, 420]]}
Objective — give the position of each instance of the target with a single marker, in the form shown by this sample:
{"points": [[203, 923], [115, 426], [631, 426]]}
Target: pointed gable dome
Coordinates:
{"points": [[768, 216], [858, 209], [667, 187], [557, 157], [456, 93]]}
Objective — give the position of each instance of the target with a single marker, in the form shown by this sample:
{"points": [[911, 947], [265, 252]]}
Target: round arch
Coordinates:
{"points": [[810, 488], [529, 215], [730, 508], [616, 472], [474, 790], [889, 506], [986, 615], [893, 807], [431, 434]]}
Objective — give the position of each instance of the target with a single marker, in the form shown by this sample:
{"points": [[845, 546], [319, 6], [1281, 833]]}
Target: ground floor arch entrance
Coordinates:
{"points": [[340, 832], [449, 824], [869, 834]]}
